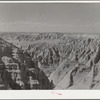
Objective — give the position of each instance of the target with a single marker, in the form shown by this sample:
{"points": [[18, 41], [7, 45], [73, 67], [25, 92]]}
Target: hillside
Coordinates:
{"points": [[70, 61], [19, 71]]}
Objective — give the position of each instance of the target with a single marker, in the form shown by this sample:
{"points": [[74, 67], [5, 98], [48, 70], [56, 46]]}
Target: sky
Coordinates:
{"points": [[68, 17]]}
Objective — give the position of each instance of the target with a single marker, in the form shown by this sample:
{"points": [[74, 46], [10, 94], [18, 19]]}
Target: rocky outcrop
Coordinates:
{"points": [[82, 71], [19, 71]]}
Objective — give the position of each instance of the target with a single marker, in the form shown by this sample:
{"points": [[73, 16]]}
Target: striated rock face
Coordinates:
{"points": [[69, 61], [82, 72]]}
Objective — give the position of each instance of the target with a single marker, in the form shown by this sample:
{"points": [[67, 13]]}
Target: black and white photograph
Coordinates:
{"points": [[49, 46]]}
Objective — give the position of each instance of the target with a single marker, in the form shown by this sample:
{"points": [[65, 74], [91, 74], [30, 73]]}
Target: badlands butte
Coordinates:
{"points": [[52, 60]]}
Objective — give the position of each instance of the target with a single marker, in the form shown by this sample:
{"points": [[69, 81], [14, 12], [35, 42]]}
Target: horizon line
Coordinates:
{"points": [[54, 32]]}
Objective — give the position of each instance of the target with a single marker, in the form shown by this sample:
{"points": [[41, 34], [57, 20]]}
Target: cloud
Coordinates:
{"points": [[35, 24]]}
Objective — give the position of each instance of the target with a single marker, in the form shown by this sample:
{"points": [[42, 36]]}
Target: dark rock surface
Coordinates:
{"points": [[19, 71]]}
